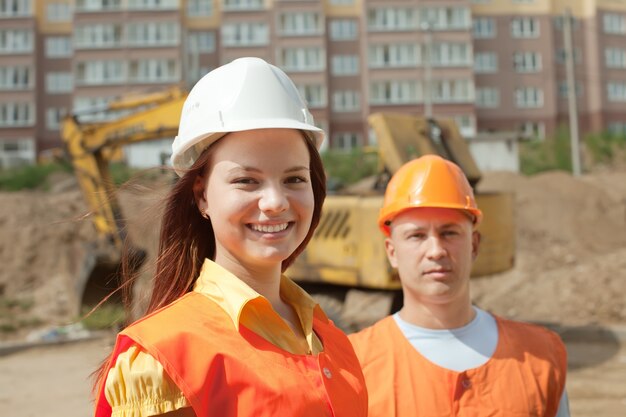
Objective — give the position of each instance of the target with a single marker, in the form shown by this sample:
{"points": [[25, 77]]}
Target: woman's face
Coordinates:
{"points": [[257, 192]]}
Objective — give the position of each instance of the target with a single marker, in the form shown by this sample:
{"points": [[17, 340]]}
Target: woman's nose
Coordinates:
{"points": [[273, 199]]}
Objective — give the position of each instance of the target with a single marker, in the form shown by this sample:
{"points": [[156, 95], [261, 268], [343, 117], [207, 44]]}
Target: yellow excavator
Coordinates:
{"points": [[344, 265]]}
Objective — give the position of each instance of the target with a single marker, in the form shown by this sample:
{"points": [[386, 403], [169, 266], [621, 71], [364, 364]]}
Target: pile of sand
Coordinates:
{"points": [[571, 253], [569, 268]]}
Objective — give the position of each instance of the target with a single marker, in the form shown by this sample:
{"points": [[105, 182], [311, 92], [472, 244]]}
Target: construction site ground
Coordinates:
{"points": [[568, 275]]}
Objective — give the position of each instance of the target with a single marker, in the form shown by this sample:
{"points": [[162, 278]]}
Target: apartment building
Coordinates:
{"points": [[520, 64], [489, 64], [18, 81]]}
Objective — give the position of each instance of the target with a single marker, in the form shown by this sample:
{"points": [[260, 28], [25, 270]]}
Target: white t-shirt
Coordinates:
{"points": [[461, 349]]}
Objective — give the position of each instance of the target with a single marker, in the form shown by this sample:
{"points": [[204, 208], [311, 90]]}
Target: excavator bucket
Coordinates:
{"points": [[403, 137]]}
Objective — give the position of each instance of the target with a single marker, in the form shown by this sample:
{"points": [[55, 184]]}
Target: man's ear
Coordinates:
{"points": [[390, 249], [199, 185], [476, 237]]}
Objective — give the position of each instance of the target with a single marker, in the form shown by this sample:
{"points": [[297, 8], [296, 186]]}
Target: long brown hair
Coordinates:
{"points": [[187, 238]]}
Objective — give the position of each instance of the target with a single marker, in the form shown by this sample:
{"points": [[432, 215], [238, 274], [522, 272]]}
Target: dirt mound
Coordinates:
{"points": [[41, 241], [569, 266], [571, 249]]}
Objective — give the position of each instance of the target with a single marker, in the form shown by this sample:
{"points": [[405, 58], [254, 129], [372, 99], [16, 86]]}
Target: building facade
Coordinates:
{"points": [[488, 64]]}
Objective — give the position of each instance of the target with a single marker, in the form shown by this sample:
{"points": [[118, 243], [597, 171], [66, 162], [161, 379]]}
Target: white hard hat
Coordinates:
{"points": [[246, 94]]}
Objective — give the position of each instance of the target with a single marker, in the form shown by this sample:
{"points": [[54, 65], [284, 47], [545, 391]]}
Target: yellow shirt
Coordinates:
{"points": [[137, 386]]}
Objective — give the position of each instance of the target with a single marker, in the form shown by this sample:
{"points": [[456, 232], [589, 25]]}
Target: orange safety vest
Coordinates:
{"points": [[225, 372], [524, 377]]}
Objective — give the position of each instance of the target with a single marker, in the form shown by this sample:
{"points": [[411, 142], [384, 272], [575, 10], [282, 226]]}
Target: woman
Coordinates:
{"points": [[226, 333]]}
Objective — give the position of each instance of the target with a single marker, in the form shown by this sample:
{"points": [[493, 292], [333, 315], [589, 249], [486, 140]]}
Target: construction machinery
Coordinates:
{"points": [[344, 265], [90, 146]]}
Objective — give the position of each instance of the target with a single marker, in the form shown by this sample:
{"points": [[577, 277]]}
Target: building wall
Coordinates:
{"points": [[349, 59]]}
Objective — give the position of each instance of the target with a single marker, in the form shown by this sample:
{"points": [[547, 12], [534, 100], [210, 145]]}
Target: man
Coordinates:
{"points": [[440, 355]]}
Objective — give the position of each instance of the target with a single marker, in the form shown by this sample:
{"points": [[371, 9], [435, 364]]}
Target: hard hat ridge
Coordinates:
{"points": [[246, 94]]}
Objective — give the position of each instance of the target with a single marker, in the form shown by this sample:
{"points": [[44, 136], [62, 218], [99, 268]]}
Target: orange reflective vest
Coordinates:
{"points": [[524, 377], [225, 372]]}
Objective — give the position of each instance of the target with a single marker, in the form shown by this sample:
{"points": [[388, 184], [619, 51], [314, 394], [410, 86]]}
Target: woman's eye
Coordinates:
{"points": [[244, 181], [296, 180]]}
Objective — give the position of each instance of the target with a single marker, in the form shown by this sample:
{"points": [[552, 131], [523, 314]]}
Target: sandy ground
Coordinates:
{"points": [[54, 381]]}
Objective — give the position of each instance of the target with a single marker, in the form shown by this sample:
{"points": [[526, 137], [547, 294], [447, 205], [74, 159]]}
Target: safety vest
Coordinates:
{"points": [[524, 377], [225, 372]]}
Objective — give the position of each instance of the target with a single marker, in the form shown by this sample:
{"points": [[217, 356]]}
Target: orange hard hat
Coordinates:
{"points": [[428, 181]]}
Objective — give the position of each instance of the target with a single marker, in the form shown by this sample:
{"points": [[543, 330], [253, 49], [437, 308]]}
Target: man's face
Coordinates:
{"points": [[433, 250]]}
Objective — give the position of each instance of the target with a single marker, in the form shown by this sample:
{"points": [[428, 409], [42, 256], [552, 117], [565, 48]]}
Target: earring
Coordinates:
{"points": [[203, 214]]}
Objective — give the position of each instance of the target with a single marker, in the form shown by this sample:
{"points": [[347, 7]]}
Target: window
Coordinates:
{"points": [[59, 82], [152, 4], [466, 124], [58, 12], [303, 59], [58, 47], [346, 141], [98, 5], [528, 97], [199, 8], [17, 114], [16, 78], [313, 94], [153, 34], [525, 27], [245, 34], [103, 35], [394, 55], [17, 152], [614, 23], [485, 62], [16, 41], [559, 22], [341, 2], [238, 5], [301, 23], [343, 30], [484, 28], [487, 98], [452, 91], [345, 65], [616, 92], [154, 70], [527, 62], [346, 101], [15, 8], [450, 54], [100, 72], [617, 128], [535, 130], [54, 117], [91, 105], [615, 58], [445, 18], [194, 73], [203, 42], [392, 19], [560, 55], [395, 92], [563, 89]]}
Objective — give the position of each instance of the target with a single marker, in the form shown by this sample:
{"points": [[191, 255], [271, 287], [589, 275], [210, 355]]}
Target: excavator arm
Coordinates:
{"points": [[91, 146]]}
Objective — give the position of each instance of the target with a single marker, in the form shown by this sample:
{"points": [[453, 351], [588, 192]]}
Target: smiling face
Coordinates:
{"points": [[257, 192], [433, 250]]}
